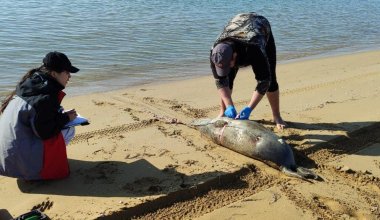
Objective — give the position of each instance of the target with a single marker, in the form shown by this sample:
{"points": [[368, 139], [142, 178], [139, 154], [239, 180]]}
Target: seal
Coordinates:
{"points": [[253, 140]]}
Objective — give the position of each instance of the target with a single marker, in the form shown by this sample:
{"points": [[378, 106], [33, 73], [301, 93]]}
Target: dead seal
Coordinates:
{"points": [[253, 140]]}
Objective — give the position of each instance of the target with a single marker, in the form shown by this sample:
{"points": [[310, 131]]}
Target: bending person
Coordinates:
{"points": [[246, 40]]}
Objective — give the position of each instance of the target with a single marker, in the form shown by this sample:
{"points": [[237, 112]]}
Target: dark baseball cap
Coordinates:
{"points": [[58, 62], [221, 56]]}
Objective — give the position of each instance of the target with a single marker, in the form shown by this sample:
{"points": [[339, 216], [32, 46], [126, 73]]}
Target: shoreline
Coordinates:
{"points": [[132, 156], [331, 54], [89, 89]]}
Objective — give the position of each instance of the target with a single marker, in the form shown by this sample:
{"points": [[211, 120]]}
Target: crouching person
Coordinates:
{"points": [[33, 136]]}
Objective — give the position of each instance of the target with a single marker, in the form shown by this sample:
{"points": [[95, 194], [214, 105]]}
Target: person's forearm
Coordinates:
{"points": [[225, 95]]}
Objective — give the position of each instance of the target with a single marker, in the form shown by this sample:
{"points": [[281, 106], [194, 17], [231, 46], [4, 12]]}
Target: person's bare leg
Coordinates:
{"points": [[222, 109], [274, 101], [255, 99]]}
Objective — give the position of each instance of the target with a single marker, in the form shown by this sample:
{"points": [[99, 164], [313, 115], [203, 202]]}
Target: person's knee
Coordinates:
{"points": [[273, 87], [262, 87]]}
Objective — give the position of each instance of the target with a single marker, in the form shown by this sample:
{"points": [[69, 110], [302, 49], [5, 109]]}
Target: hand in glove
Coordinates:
{"points": [[230, 112], [245, 113]]}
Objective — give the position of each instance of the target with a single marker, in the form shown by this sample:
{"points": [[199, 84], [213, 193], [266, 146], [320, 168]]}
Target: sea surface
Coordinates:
{"points": [[121, 43]]}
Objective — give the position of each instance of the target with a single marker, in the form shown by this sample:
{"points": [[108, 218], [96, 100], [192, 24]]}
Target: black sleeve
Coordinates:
{"points": [[49, 120]]}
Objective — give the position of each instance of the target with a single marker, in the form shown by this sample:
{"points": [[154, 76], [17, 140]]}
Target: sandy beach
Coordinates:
{"points": [[139, 159]]}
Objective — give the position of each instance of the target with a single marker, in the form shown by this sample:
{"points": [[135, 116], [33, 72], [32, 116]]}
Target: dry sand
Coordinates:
{"points": [[132, 162]]}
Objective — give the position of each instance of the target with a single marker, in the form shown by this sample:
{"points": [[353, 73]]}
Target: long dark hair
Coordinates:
{"points": [[9, 97]]}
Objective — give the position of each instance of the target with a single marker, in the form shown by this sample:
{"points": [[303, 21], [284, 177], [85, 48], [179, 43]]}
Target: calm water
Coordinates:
{"points": [[120, 43]]}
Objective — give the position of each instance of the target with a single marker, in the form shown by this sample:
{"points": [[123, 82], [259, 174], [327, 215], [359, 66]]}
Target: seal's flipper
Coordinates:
{"points": [[200, 122], [307, 173], [290, 172]]}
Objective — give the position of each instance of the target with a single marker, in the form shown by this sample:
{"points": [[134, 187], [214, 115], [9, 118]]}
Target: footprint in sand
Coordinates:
{"points": [[190, 162], [102, 103], [145, 184], [333, 205]]}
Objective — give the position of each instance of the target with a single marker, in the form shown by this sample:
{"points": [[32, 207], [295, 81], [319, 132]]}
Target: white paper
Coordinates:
{"points": [[79, 120]]}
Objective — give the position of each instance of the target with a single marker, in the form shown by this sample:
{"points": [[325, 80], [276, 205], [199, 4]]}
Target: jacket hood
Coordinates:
{"points": [[38, 83]]}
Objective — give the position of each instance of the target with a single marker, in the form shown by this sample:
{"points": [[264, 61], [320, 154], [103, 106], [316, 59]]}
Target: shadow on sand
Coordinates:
{"points": [[349, 138], [117, 179]]}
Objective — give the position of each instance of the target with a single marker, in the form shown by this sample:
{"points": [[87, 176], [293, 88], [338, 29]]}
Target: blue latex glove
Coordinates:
{"points": [[230, 112], [245, 113]]}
